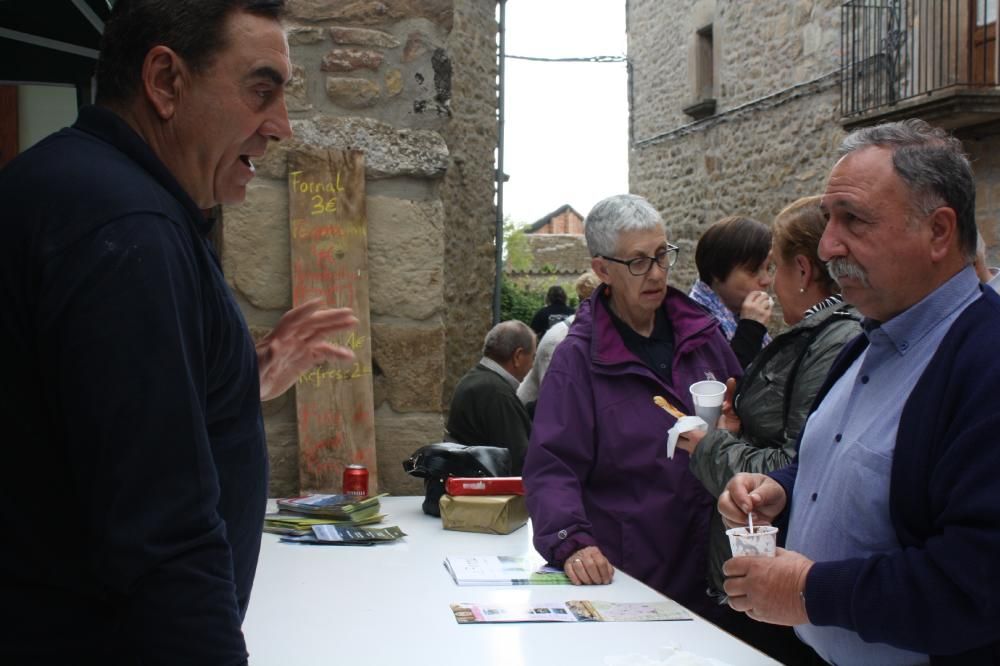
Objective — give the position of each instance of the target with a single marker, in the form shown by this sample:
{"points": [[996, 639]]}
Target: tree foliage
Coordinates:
{"points": [[516, 247], [517, 302]]}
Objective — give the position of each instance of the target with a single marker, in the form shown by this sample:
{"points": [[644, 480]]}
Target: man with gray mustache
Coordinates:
{"points": [[890, 509], [842, 268]]}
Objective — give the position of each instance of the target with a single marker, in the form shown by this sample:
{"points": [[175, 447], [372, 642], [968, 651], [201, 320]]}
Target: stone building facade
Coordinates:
{"points": [[563, 220], [412, 83], [736, 109]]}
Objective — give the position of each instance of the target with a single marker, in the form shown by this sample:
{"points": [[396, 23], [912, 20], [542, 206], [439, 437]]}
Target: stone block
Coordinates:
{"points": [[396, 437], [277, 406], [991, 202], [352, 93], [393, 82], [298, 36], [411, 359], [812, 38], [363, 37], [374, 12], [274, 163], [389, 152], [296, 96], [983, 191], [283, 451], [417, 44], [348, 60], [256, 249], [405, 257]]}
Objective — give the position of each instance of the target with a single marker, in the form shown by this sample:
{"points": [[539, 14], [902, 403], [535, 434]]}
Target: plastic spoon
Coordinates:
{"points": [[750, 518]]}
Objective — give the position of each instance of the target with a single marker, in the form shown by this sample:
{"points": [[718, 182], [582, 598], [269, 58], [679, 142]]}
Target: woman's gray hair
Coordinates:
{"points": [[614, 215], [933, 165], [505, 338]]}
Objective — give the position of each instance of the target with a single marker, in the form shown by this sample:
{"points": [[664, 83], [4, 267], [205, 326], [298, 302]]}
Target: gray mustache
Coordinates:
{"points": [[843, 268]]}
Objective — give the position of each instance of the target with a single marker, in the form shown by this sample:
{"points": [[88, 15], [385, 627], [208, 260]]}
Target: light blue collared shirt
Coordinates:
{"points": [[840, 507]]}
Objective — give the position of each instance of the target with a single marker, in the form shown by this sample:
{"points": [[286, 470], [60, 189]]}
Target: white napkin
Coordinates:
{"points": [[685, 424]]}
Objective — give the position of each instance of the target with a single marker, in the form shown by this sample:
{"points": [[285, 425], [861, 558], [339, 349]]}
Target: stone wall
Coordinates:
{"points": [[983, 148], [411, 83], [776, 128], [556, 259], [749, 158]]}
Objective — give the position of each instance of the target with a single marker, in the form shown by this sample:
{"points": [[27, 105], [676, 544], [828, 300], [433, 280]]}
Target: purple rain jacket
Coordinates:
{"points": [[597, 471]]}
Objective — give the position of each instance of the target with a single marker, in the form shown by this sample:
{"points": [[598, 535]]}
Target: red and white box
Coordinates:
{"points": [[484, 485]]}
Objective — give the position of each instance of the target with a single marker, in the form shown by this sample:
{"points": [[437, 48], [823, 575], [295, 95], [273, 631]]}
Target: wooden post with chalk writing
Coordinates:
{"points": [[329, 242]]}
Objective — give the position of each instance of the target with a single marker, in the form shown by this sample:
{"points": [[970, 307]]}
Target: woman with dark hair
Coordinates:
{"points": [[733, 272], [555, 310], [772, 400]]}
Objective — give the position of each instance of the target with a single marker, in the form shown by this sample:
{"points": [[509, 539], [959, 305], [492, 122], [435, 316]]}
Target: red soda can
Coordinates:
{"points": [[356, 480]]}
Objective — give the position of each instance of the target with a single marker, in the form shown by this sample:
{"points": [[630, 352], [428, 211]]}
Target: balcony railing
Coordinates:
{"points": [[898, 50]]}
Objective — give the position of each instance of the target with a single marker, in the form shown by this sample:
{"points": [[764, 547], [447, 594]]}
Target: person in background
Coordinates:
{"points": [[770, 402], [528, 390], [555, 310], [133, 388], [733, 276], [485, 409], [988, 275], [600, 489], [893, 536]]}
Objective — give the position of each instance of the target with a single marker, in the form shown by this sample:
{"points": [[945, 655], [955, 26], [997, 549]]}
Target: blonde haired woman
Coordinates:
{"points": [[773, 397]]}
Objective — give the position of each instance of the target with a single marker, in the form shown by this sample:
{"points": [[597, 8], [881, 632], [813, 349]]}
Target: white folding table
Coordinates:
{"points": [[390, 604]]}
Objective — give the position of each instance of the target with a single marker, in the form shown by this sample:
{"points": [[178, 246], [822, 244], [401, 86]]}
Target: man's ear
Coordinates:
{"points": [[944, 232], [162, 72]]}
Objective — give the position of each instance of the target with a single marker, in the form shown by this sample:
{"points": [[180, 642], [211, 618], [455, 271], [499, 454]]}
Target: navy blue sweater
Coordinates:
{"points": [[136, 468], [940, 595]]}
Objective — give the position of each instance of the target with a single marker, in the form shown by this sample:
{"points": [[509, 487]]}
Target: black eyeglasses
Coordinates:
{"points": [[642, 265]]}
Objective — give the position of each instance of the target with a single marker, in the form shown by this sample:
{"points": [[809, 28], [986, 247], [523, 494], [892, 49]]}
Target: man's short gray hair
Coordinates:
{"points": [[933, 165], [505, 338], [614, 215]]}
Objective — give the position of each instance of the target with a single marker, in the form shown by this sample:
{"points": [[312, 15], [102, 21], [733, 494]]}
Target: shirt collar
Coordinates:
{"points": [[910, 326], [703, 294], [828, 302], [490, 364]]}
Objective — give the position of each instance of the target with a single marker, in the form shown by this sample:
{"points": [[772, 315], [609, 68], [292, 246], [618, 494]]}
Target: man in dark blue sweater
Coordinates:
{"points": [[893, 530], [136, 461]]}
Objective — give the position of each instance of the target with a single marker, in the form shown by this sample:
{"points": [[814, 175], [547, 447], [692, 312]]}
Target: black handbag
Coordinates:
{"points": [[436, 462]]}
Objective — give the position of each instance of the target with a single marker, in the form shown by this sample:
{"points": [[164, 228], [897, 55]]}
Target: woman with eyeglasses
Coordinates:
{"points": [[600, 489], [733, 276]]}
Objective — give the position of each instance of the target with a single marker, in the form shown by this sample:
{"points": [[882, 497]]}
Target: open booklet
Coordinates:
{"points": [[570, 611], [502, 570]]}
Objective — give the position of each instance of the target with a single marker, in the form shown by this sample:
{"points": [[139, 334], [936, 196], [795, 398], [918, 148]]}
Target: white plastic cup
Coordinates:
{"points": [[707, 397], [761, 543]]}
